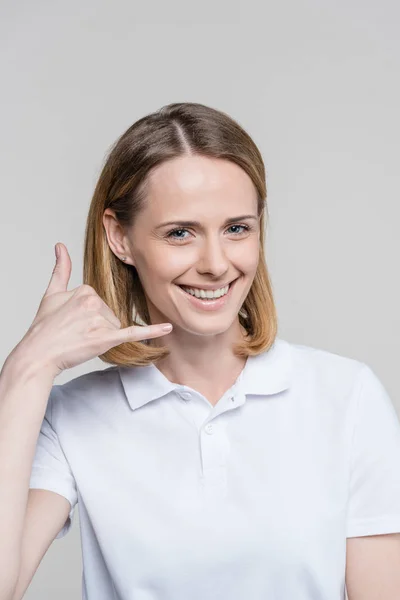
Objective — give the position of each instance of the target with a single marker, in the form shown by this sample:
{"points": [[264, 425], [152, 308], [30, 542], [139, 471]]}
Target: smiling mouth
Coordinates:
{"points": [[211, 300], [198, 288]]}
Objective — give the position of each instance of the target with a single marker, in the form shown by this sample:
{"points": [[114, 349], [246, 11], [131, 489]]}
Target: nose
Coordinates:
{"points": [[213, 259]]}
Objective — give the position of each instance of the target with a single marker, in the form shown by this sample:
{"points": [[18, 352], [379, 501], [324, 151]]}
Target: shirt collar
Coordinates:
{"points": [[267, 373]]}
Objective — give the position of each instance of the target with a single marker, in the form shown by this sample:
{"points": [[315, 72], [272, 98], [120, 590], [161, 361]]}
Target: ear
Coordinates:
{"points": [[116, 236]]}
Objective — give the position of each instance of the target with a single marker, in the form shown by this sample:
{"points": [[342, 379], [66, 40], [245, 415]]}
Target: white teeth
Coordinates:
{"points": [[206, 293]]}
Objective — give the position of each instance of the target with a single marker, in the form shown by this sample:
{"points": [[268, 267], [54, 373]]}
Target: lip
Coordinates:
{"points": [[207, 305], [208, 288]]}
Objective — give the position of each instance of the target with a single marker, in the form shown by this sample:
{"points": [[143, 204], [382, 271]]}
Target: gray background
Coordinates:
{"points": [[316, 84]]}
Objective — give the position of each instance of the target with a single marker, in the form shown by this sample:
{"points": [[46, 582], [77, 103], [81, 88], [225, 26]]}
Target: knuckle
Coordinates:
{"points": [[90, 302], [95, 322], [85, 288]]}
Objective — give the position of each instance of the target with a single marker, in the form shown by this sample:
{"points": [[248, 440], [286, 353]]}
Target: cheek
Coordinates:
{"points": [[165, 264], [178, 262], [175, 261], [151, 268], [247, 256]]}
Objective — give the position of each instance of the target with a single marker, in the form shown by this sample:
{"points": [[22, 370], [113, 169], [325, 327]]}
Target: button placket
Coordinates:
{"points": [[215, 450]]}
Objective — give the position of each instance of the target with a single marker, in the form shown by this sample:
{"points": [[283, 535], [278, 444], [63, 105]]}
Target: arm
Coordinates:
{"points": [[46, 514], [373, 523], [24, 392], [373, 567]]}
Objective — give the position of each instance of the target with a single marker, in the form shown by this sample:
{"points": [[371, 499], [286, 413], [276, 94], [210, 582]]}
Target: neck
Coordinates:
{"points": [[208, 366]]}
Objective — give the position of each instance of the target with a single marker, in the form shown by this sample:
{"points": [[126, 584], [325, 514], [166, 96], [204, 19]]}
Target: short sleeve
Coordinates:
{"points": [[50, 468], [374, 490]]}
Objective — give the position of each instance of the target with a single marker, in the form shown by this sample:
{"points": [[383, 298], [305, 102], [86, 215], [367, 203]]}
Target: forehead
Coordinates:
{"points": [[198, 182]]}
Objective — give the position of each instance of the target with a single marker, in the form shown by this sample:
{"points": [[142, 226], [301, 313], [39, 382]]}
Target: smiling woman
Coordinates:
{"points": [[218, 460], [182, 197]]}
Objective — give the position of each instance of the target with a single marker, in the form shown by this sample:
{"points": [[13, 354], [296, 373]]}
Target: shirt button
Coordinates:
{"points": [[185, 395], [209, 428]]}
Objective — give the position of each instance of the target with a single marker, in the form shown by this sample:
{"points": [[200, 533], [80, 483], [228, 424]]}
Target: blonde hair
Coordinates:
{"points": [[173, 131]]}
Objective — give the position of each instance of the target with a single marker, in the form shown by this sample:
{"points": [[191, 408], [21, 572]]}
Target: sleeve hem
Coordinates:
{"points": [[374, 526], [65, 529], [59, 487], [40, 479]]}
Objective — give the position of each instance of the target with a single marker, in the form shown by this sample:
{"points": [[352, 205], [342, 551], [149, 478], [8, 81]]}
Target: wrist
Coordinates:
{"points": [[24, 367]]}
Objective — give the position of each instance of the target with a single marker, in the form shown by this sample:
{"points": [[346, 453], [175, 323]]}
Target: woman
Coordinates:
{"points": [[217, 460]]}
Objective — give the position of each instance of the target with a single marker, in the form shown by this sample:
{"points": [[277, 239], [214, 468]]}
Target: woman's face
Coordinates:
{"points": [[219, 247]]}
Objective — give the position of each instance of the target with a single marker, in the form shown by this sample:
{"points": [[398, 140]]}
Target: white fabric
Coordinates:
{"points": [[251, 499]]}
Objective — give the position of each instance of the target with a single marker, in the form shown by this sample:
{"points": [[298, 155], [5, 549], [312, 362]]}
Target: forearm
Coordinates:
{"points": [[24, 393]]}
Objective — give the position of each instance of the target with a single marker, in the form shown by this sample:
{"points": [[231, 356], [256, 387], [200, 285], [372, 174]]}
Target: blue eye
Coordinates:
{"points": [[245, 227], [171, 233]]}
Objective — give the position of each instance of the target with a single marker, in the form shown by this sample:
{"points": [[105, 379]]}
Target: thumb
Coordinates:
{"points": [[61, 272]]}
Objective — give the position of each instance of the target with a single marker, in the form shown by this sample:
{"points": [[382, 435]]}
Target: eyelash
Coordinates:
{"points": [[169, 235]]}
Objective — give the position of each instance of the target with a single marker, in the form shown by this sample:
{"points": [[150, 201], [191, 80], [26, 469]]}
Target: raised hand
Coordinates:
{"points": [[71, 327]]}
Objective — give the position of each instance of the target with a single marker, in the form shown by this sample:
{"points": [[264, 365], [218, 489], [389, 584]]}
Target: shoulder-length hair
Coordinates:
{"points": [[173, 131]]}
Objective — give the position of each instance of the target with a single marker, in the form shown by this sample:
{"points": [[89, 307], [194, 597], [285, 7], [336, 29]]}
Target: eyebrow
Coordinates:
{"points": [[198, 224]]}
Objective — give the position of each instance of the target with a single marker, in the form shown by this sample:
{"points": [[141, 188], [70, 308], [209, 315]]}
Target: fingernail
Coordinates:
{"points": [[57, 251], [167, 327]]}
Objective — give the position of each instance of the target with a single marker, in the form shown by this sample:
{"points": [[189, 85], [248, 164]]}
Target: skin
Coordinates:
{"points": [[209, 191]]}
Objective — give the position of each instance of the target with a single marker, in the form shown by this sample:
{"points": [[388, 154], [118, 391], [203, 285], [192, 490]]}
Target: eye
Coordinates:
{"points": [[172, 233], [245, 227]]}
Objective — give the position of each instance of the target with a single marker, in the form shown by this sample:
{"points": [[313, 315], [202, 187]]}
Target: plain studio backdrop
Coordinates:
{"points": [[315, 83]]}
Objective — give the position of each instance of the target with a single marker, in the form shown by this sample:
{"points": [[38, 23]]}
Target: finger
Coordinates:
{"points": [[135, 333], [61, 272]]}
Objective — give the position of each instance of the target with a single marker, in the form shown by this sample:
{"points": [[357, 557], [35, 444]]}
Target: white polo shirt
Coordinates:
{"points": [[250, 499]]}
